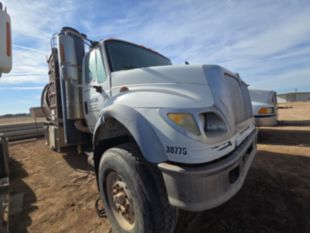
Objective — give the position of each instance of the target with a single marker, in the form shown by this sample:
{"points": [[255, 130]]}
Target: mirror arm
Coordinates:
{"points": [[98, 88]]}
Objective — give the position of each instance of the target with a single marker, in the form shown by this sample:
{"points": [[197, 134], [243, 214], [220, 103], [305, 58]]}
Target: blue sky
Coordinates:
{"points": [[267, 42]]}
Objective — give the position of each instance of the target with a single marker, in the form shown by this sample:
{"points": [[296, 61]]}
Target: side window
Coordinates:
{"points": [[91, 74], [95, 66], [101, 75]]}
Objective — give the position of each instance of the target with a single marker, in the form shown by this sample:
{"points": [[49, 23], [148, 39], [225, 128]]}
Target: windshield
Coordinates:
{"points": [[123, 56]]}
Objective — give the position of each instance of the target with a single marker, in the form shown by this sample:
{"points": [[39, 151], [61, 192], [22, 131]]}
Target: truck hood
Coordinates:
{"points": [[190, 74], [184, 86], [263, 96], [179, 86]]}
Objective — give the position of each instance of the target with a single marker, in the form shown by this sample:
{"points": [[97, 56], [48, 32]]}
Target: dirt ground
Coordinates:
{"points": [[60, 189]]}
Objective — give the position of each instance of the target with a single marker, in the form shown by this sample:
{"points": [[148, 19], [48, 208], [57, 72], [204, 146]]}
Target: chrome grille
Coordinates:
{"points": [[246, 101], [241, 103], [231, 95]]}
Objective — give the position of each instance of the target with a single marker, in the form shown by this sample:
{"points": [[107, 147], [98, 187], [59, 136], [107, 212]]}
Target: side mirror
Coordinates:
{"points": [[98, 88], [5, 42]]}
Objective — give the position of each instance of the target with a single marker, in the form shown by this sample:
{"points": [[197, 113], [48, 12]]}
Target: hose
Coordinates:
{"points": [[45, 102], [100, 210]]}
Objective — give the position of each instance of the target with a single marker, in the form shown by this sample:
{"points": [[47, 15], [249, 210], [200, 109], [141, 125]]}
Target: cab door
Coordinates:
{"points": [[95, 88]]}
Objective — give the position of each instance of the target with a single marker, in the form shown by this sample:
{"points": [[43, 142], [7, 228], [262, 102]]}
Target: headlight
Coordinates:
{"points": [[213, 124], [184, 120], [266, 111]]}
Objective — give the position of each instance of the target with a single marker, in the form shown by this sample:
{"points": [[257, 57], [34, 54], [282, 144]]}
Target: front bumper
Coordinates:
{"points": [[266, 120], [200, 188]]}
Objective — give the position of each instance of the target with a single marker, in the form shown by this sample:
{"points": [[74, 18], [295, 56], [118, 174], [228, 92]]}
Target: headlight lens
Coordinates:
{"points": [[266, 111], [186, 121], [213, 125]]}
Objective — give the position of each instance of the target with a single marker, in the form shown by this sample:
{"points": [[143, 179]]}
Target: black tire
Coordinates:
{"points": [[144, 184]]}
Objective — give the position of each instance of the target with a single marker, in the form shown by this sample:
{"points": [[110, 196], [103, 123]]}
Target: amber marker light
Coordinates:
{"points": [[8, 39], [184, 120], [265, 111]]}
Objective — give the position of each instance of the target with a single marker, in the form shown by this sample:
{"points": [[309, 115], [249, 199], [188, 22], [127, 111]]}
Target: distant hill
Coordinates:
{"points": [[14, 115]]}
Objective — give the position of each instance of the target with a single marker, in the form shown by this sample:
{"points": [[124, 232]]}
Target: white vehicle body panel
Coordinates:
{"points": [[198, 151], [263, 96], [155, 91]]}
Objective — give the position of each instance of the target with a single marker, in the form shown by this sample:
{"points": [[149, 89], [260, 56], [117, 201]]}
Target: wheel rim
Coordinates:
{"points": [[120, 200]]}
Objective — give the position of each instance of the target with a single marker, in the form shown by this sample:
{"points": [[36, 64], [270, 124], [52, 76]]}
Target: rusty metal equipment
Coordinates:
{"points": [[4, 185]]}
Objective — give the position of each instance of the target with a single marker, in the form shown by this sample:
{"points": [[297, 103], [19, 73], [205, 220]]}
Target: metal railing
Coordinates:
{"points": [[22, 131]]}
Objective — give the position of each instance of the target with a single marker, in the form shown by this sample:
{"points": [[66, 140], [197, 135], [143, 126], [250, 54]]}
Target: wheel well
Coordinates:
{"points": [[109, 135]]}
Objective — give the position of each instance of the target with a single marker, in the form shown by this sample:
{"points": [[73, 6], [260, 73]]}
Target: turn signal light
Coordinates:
{"points": [[265, 111], [186, 121], [8, 39]]}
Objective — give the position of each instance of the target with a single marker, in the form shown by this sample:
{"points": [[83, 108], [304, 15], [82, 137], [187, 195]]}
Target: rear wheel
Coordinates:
{"points": [[133, 192]]}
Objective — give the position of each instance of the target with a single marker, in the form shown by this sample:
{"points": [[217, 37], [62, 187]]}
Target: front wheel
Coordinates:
{"points": [[133, 192]]}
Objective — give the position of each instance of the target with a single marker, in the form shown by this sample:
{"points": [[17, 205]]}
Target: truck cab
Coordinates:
{"points": [[164, 137], [100, 64]]}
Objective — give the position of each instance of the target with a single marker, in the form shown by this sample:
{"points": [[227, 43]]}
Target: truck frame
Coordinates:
{"points": [[164, 137]]}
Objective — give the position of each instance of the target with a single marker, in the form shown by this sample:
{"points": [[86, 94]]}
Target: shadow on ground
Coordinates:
{"points": [[294, 123], [76, 160], [20, 221], [274, 136], [274, 199]]}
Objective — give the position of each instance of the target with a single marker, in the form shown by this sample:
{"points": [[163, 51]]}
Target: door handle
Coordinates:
{"points": [[98, 88]]}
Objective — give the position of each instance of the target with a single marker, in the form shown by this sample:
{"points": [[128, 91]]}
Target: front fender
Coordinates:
{"points": [[138, 126]]}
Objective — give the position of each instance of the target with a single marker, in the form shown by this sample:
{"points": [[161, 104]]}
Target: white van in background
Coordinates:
{"points": [[264, 106]]}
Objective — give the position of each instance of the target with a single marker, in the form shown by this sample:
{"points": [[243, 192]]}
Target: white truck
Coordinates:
{"points": [[5, 67], [264, 106], [164, 137]]}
